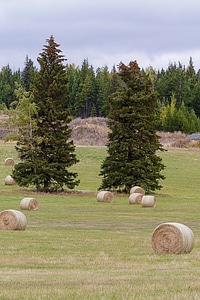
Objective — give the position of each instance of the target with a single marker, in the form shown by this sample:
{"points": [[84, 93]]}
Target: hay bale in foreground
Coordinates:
{"points": [[135, 198], [172, 238], [137, 189], [9, 161], [12, 220], [9, 180], [29, 204], [105, 196], [148, 201]]}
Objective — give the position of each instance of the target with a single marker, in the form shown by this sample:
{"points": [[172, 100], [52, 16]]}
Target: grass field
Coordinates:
{"points": [[77, 248]]}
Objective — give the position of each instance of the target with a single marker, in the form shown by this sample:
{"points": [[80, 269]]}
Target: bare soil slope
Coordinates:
{"points": [[94, 132]]}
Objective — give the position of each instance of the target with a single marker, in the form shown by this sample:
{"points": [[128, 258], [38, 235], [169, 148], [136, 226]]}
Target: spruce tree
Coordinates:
{"points": [[132, 143], [48, 154], [27, 75]]}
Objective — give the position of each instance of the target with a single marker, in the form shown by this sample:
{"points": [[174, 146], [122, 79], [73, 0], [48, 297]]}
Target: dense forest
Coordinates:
{"points": [[177, 88]]}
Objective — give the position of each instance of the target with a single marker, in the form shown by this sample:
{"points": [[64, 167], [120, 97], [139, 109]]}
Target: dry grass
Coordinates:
{"points": [[91, 131], [94, 131], [174, 139]]}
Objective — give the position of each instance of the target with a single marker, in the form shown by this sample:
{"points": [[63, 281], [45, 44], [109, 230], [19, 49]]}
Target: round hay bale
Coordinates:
{"points": [[135, 198], [12, 220], [9, 161], [137, 189], [29, 204], [9, 180], [172, 238], [148, 201], [105, 196]]}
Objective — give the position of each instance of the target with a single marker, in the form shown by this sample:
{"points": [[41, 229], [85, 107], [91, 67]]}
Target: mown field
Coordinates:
{"points": [[77, 248]]}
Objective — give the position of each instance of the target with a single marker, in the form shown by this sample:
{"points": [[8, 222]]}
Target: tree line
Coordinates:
{"points": [[177, 88]]}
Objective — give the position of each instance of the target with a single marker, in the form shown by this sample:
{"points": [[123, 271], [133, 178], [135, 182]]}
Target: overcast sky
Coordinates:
{"points": [[106, 32]]}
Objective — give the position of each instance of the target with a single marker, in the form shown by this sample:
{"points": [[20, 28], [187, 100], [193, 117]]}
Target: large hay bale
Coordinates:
{"points": [[148, 201], [105, 196], [9, 180], [172, 238], [9, 161], [135, 198], [29, 204], [12, 220], [137, 189]]}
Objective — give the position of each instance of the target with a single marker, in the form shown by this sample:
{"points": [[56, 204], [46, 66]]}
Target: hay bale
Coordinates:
{"points": [[135, 198], [148, 201], [9, 161], [105, 196], [137, 189], [172, 238], [29, 204], [9, 180], [12, 220]]}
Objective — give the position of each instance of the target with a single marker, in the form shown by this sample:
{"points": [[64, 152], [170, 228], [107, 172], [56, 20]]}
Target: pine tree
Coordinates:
{"points": [[133, 142], [48, 155], [85, 101], [27, 75]]}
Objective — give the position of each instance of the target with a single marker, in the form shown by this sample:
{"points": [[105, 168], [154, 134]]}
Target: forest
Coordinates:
{"points": [[177, 88]]}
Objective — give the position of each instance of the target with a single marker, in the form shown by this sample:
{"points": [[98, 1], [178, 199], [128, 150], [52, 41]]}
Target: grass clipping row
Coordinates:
{"points": [[12, 220], [172, 238]]}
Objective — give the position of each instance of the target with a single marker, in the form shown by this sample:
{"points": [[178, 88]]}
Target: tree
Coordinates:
{"points": [[178, 119], [27, 75], [132, 143], [48, 155], [20, 123], [103, 83], [85, 101], [73, 75], [7, 85]]}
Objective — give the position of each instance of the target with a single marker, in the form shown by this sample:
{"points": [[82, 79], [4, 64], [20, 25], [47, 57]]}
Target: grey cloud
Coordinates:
{"points": [[102, 31]]}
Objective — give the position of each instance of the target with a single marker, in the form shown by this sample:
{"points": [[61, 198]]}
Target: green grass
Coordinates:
{"points": [[77, 248]]}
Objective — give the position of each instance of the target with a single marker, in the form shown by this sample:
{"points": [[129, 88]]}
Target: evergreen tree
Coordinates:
{"points": [[196, 100], [73, 75], [86, 96], [103, 83], [46, 158], [27, 75], [133, 142]]}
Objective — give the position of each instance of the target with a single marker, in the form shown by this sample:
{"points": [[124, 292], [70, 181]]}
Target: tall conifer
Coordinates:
{"points": [[133, 143], [46, 159]]}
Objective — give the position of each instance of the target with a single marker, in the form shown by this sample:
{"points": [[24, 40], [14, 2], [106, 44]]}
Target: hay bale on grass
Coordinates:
{"points": [[12, 220], [29, 204], [148, 201], [137, 189], [105, 196], [9, 161], [172, 238], [9, 180], [135, 198]]}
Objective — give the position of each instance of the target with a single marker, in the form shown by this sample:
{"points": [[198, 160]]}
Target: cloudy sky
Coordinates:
{"points": [[153, 32]]}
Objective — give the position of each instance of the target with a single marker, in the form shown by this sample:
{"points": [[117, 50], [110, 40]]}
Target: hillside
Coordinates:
{"points": [[94, 132]]}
